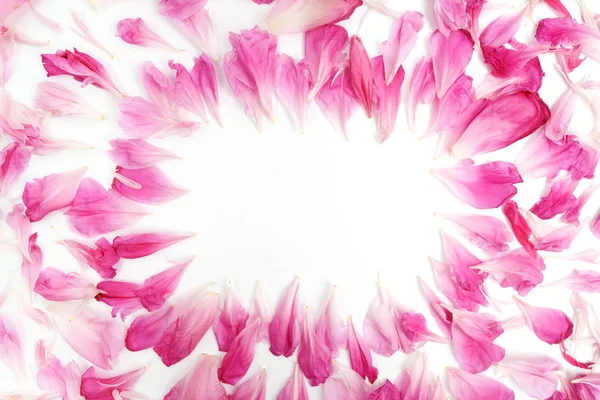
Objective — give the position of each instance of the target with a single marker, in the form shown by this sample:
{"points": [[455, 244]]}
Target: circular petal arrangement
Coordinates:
{"points": [[338, 73]]}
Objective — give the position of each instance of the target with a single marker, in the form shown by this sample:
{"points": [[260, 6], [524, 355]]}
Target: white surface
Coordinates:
{"points": [[271, 205]]}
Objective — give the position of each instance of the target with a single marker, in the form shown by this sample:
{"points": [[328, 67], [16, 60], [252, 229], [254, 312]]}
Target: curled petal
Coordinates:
{"points": [[285, 327], [95, 387], [231, 321], [557, 200], [338, 102], [323, 52], [519, 225], [330, 327], [55, 285], [259, 309], [361, 74], [136, 31], [467, 386], [14, 160], [240, 354], [450, 56], [344, 384], [360, 354], [403, 38], [314, 357], [291, 16], [387, 98], [200, 383], [140, 245], [252, 389], [101, 259], [488, 233], [58, 100], [294, 388], [549, 325]]}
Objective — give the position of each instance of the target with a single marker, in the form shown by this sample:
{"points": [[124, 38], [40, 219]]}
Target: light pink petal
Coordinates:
{"points": [[137, 153], [55, 377], [421, 88], [549, 325], [517, 269], [146, 330], [498, 125], [285, 327], [58, 100], [240, 354], [186, 92], [481, 186], [14, 160], [450, 56], [198, 27], [561, 113], [140, 245], [536, 375], [100, 388], [488, 233], [251, 70], [442, 316], [293, 86], [379, 326], [260, 309], [136, 31], [21, 225], [519, 225], [200, 383], [467, 386], [180, 9], [231, 320], [360, 354], [252, 389], [345, 384], [542, 157], [86, 34], [338, 101], [11, 346], [291, 16], [205, 79], [30, 269], [97, 337], [403, 38], [20, 122], [330, 327], [323, 52], [294, 388], [101, 259], [387, 391], [314, 357], [361, 74], [450, 15], [55, 285], [572, 216], [558, 199], [583, 281], [462, 288], [51, 193], [145, 185], [560, 239], [387, 98]]}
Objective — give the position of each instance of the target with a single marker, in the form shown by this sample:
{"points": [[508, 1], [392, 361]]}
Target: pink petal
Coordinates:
{"points": [[198, 27], [415, 382], [186, 91], [558, 199], [482, 186], [231, 320], [293, 87], [360, 354], [290, 16], [55, 285], [345, 384], [527, 78], [145, 185], [121, 296], [94, 336], [205, 79], [140, 245], [379, 326], [487, 233], [146, 330], [11, 346], [20, 122], [502, 29], [285, 327], [82, 67], [30, 269], [442, 316], [55, 377], [460, 285], [251, 70], [498, 125], [14, 160], [467, 386], [86, 34], [450, 56], [361, 74], [330, 327], [567, 33], [58, 100], [517, 269], [519, 225], [585, 281], [562, 111], [101, 259], [421, 89], [180, 9], [450, 15], [542, 157], [295, 387], [22, 227], [104, 388], [323, 52], [137, 153], [252, 389], [536, 375], [136, 31], [159, 88], [240, 354], [403, 38], [260, 309], [338, 102], [506, 62], [549, 325], [560, 239], [201, 383], [557, 6], [387, 391], [51, 193], [314, 357], [387, 98]]}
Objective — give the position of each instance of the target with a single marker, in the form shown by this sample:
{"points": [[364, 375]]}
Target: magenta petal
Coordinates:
{"points": [[284, 16], [55, 285], [240, 354], [338, 102], [488, 233], [260, 309], [517, 269], [330, 327], [294, 388], [231, 320], [140, 245], [536, 375], [51, 193], [101, 259], [549, 325], [387, 391], [314, 357], [104, 388], [186, 92], [450, 56], [360, 354], [284, 330], [146, 330], [252, 389], [467, 386], [323, 49], [200, 383], [14, 160], [567, 33], [121, 296], [293, 86], [558, 199], [145, 185], [205, 79], [402, 40], [361, 74], [542, 157], [137, 153], [136, 31], [345, 384], [387, 98], [519, 225]]}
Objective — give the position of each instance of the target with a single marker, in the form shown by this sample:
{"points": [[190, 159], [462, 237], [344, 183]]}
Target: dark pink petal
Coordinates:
{"points": [[252, 389], [186, 92], [285, 327], [251, 70], [293, 86], [136, 31], [145, 185], [361, 74], [101, 259], [488, 233], [345, 384], [294, 388], [519, 226], [22, 227], [121, 296], [30, 269], [284, 16], [387, 98], [338, 102], [387, 391], [14, 160], [55, 285], [58, 100], [536, 375], [549, 325], [231, 320], [82, 67], [517, 269], [260, 309], [360, 354], [205, 79], [583, 281], [137, 153], [482, 186], [542, 157], [450, 56], [201, 383], [94, 387], [11, 346], [558, 199], [450, 15], [146, 330], [506, 62], [527, 78], [330, 327], [467, 386], [498, 125], [559, 7], [314, 357], [240, 354], [51, 193], [403, 38], [140, 245], [323, 54], [442, 316], [567, 33], [421, 88]]}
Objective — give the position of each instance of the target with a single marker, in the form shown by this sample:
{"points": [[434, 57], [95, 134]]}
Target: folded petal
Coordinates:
{"points": [[54, 285], [290, 16], [314, 357], [558, 199], [488, 233], [550, 157], [136, 31], [403, 38], [293, 86], [421, 88], [121, 296], [462, 288], [519, 225], [240, 354], [323, 54], [330, 327], [386, 97], [252, 389], [482, 186], [450, 56], [549, 325], [137, 153], [14, 160], [506, 62], [205, 79], [361, 74], [58, 100], [450, 15], [442, 316], [200, 383], [51, 193], [186, 92], [387, 391], [536, 375], [11, 346], [107, 387], [467, 386], [285, 327], [517, 269], [231, 320], [567, 33], [360, 354], [294, 388], [146, 330], [140, 245], [345, 384], [260, 309], [101, 259], [338, 101]]}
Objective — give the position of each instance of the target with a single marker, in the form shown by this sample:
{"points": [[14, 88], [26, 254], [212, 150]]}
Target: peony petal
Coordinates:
{"points": [[85, 33], [506, 62], [51, 193], [58, 100], [95, 387], [527, 78], [442, 316], [323, 52], [421, 89], [502, 29], [135, 31], [387, 391], [536, 375], [55, 377], [198, 27], [542, 157], [137, 153], [345, 384], [519, 225], [462, 285], [121, 296], [22, 227], [558, 199], [146, 330], [180, 9], [285, 327], [338, 102], [572, 216], [487, 233], [583, 281], [11, 346], [566, 33], [330, 327], [294, 387], [293, 86], [361, 74], [415, 382], [231, 320], [14, 160], [560, 117], [154, 186], [517, 269], [240, 354], [30, 269], [387, 98], [403, 38], [200, 383], [140, 245], [379, 326], [560, 239], [549, 325], [101, 259], [314, 357], [467, 386], [291, 16], [450, 15], [205, 79], [55, 285], [360, 354], [186, 92], [260, 309], [252, 389], [450, 56]]}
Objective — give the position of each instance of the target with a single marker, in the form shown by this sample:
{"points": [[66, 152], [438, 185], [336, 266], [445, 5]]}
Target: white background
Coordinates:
{"points": [[275, 204]]}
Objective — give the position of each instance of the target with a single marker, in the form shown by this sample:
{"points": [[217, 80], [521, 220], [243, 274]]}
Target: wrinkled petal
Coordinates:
{"points": [[293, 86], [387, 98], [527, 78], [403, 38], [285, 327], [136, 31], [557, 200], [567, 33], [506, 62], [260, 309], [536, 375], [360, 354], [53, 284], [467, 386], [338, 102], [517, 269], [460, 284], [290, 16], [345, 384], [294, 388], [200, 383], [101, 259], [58, 100], [488, 233], [314, 357], [140, 245], [330, 327], [240, 354], [137, 153], [231, 321], [104, 388], [323, 54], [450, 56], [519, 225], [361, 74], [542, 157], [421, 88], [549, 325], [252, 389], [14, 160], [450, 15]]}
